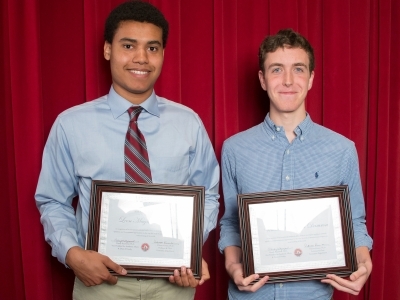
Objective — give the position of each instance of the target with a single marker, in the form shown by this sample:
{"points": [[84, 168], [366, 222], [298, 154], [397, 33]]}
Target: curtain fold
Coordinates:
{"points": [[52, 58]]}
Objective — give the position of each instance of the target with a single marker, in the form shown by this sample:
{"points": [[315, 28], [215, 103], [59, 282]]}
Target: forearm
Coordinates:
{"points": [[60, 229], [364, 258], [233, 255]]}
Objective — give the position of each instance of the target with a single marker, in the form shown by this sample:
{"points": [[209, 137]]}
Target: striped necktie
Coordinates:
{"points": [[137, 166]]}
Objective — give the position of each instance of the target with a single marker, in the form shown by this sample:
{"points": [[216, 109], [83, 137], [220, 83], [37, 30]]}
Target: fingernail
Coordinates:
{"points": [[124, 272], [189, 272]]}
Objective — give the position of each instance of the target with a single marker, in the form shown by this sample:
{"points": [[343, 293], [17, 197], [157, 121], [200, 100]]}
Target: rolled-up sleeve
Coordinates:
{"points": [[230, 233]]}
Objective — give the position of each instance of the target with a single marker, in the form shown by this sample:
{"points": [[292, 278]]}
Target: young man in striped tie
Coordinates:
{"points": [[131, 134]]}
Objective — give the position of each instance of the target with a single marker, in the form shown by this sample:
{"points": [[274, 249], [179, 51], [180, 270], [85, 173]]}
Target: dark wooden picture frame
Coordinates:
{"points": [[196, 192], [288, 196]]}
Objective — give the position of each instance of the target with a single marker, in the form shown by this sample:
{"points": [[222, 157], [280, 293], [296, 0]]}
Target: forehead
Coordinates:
{"points": [[286, 55], [140, 31]]}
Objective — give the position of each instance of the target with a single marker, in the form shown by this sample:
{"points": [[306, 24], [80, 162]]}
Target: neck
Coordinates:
{"points": [[134, 98], [289, 121]]}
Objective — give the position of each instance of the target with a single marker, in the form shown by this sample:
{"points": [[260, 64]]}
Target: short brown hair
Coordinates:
{"points": [[285, 38]]}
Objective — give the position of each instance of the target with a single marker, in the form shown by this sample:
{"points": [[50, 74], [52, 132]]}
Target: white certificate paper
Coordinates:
{"points": [[146, 230], [296, 235]]}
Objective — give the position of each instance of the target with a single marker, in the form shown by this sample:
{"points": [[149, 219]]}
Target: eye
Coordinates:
{"points": [[275, 70], [127, 46], [153, 49], [299, 69]]}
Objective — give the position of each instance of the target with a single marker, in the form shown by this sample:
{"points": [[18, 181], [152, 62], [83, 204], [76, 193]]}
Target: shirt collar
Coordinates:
{"points": [[120, 105], [302, 129]]}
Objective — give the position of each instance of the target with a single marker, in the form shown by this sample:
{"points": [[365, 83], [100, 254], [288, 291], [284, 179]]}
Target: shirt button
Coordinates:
{"points": [[302, 138], [281, 285], [278, 129], [287, 177], [273, 137], [288, 151]]}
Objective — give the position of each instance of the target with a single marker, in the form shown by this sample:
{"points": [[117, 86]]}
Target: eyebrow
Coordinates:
{"points": [[134, 41], [275, 65], [300, 65], [281, 65]]}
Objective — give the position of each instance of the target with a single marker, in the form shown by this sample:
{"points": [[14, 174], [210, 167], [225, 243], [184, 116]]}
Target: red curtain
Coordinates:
{"points": [[51, 58]]}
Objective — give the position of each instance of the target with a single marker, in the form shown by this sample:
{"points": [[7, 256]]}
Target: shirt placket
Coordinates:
{"points": [[287, 163]]}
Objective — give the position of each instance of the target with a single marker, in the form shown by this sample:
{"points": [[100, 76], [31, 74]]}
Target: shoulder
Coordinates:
{"points": [[84, 110], [177, 112], [327, 136], [244, 137], [174, 106]]}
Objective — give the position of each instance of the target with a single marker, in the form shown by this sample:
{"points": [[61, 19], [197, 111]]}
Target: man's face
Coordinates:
{"points": [[286, 79], [136, 55]]}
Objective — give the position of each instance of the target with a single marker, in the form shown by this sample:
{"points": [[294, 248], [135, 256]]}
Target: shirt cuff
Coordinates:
{"points": [[363, 239], [233, 239], [61, 251]]}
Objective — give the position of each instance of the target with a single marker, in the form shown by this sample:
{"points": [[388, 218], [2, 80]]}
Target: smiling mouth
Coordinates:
{"points": [[139, 72]]}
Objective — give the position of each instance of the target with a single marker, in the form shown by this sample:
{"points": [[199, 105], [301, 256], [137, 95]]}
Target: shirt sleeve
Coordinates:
{"points": [[352, 179], [55, 191], [205, 172], [230, 232]]}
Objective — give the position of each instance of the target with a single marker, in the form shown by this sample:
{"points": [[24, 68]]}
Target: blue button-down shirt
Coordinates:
{"points": [[262, 159], [86, 143]]}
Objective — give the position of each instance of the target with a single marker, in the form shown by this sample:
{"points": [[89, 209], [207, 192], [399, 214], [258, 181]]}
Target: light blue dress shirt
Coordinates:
{"points": [[262, 159], [86, 143]]}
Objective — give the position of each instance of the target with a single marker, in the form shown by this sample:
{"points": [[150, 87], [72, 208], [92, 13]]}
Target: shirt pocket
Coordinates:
{"points": [[170, 169]]}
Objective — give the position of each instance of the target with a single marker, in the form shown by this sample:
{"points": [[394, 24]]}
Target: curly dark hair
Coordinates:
{"points": [[285, 38], [135, 11]]}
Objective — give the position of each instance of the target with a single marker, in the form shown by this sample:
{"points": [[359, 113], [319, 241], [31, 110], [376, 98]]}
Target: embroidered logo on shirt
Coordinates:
{"points": [[316, 174]]}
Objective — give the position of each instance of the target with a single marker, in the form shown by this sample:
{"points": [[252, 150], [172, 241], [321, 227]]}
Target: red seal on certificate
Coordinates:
{"points": [[298, 252], [145, 247]]}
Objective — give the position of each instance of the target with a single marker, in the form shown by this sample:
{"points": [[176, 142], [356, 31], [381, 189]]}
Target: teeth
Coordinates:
{"points": [[139, 72]]}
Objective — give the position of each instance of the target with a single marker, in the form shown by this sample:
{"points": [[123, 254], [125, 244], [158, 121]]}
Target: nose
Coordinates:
{"points": [[140, 57], [287, 79]]}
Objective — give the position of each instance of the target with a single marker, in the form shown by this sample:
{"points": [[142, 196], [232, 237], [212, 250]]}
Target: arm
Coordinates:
{"points": [[229, 241], [204, 172], [56, 188], [362, 240]]}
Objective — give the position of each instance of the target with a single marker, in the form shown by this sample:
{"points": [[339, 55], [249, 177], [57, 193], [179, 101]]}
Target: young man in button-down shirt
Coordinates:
{"points": [[86, 143], [288, 151]]}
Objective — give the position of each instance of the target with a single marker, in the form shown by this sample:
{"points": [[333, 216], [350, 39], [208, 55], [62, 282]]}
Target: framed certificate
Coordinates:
{"points": [[149, 229], [297, 235]]}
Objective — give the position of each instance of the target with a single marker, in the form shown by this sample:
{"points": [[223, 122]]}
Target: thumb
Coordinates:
{"points": [[115, 267]]}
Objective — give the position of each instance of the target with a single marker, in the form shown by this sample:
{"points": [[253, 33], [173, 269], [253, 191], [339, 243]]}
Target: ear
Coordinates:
{"points": [[107, 50], [262, 80], [310, 82]]}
